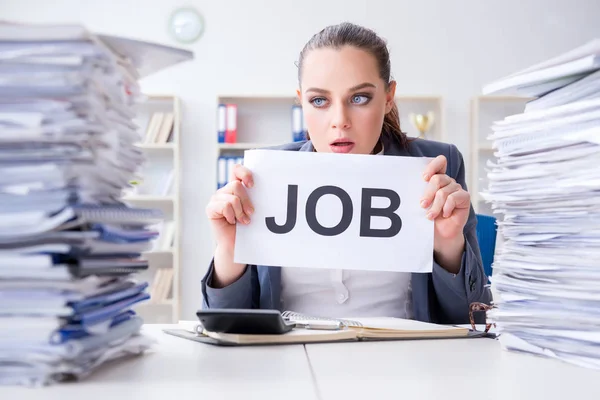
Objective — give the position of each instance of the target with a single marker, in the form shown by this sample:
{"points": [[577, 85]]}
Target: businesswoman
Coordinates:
{"points": [[348, 101]]}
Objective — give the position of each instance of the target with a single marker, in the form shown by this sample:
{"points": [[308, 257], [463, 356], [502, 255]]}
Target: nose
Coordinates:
{"points": [[340, 118]]}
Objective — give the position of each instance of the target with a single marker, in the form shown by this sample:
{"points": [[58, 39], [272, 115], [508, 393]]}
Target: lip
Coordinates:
{"points": [[341, 145]]}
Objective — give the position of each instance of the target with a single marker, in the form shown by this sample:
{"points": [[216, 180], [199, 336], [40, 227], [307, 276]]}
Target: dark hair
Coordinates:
{"points": [[348, 34]]}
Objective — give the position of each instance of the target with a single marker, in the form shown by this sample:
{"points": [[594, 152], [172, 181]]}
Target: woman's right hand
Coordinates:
{"points": [[228, 206]]}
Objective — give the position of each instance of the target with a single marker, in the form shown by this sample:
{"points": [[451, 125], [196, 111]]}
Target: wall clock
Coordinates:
{"points": [[186, 25]]}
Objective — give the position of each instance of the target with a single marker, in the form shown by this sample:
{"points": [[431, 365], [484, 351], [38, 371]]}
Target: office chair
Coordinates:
{"points": [[486, 236]]}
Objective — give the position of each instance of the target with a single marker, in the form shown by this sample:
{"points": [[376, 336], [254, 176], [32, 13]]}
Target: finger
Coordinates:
{"points": [[435, 166], [214, 208], [435, 183], [236, 188], [236, 205], [440, 199], [229, 213], [220, 208], [243, 174], [460, 199], [229, 203]]}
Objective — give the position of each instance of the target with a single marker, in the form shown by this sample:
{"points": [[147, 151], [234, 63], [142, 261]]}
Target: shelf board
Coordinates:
{"points": [[245, 146]]}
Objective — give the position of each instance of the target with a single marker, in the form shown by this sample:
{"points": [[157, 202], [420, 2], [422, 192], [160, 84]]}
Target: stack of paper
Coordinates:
{"points": [[545, 185], [69, 249]]}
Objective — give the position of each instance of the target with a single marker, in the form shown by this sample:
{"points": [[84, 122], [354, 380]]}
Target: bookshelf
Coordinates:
{"points": [[261, 121], [265, 121], [157, 186], [485, 110]]}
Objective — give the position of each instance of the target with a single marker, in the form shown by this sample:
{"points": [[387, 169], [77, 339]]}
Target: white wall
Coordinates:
{"points": [[450, 48]]}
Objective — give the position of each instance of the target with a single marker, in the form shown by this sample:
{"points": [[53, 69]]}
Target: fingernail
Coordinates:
{"points": [[430, 216], [245, 220], [250, 184], [249, 210], [426, 177], [424, 203]]}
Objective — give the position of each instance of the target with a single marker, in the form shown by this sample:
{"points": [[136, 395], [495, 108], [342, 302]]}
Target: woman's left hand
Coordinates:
{"points": [[449, 209], [450, 203]]}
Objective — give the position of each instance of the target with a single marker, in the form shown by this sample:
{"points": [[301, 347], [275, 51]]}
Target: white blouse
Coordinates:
{"points": [[337, 293]]}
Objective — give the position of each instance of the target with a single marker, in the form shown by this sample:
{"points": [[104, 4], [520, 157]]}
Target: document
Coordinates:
{"points": [[544, 187], [69, 247], [550, 75], [317, 210]]}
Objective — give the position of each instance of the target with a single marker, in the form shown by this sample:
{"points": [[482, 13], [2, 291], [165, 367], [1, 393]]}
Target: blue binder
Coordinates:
{"points": [[221, 122], [486, 236]]}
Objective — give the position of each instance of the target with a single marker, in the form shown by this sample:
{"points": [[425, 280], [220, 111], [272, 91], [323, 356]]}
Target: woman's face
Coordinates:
{"points": [[344, 100]]}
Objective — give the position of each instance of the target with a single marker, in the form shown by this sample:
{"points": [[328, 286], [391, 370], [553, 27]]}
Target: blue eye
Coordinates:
{"points": [[318, 102], [360, 99]]}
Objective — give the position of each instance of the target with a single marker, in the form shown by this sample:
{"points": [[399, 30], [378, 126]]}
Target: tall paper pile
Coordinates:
{"points": [[69, 249], [545, 184]]}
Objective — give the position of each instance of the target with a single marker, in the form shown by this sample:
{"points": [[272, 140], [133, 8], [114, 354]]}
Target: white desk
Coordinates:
{"points": [[430, 369], [444, 369], [182, 369]]}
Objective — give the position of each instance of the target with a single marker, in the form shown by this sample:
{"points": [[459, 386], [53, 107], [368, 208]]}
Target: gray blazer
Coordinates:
{"points": [[439, 296]]}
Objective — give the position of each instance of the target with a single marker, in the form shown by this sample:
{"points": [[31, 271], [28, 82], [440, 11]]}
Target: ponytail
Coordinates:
{"points": [[391, 126]]}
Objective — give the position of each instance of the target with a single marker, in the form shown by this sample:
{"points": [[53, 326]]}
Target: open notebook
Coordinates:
{"points": [[356, 329]]}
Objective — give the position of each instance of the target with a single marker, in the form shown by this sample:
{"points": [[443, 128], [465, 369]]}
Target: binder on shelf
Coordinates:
{"points": [[225, 166], [221, 122], [231, 128], [153, 127], [221, 172], [297, 124], [230, 164], [160, 128], [165, 131]]}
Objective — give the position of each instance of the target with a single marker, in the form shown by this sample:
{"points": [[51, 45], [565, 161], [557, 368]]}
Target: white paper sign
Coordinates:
{"points": [[345, 211]]}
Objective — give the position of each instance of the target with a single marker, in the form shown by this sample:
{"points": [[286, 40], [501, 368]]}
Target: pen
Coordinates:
{"points": [[319, 325]]}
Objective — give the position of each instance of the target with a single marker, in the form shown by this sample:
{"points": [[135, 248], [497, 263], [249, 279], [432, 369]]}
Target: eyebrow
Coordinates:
{"points": [[352, 89]]}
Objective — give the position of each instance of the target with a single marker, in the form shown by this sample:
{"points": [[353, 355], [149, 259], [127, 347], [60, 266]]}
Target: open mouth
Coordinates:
{"points": [[341, 146]]}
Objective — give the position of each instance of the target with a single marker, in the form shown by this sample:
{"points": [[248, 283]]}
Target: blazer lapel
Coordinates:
{"points": [[308, 146], [391, 146]]}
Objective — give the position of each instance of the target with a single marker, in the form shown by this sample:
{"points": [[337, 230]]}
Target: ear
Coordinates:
{"points": [[299, 94], [390, 97]]}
